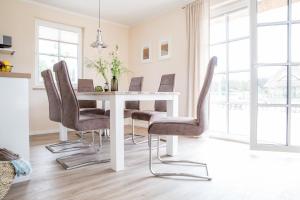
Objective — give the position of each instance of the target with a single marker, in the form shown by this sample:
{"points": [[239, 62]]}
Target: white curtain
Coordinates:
{"points": [[197, 21]]}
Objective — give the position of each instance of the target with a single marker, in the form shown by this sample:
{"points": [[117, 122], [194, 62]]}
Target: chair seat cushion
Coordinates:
{"points": [[127, 112], [96, 111], [148, 115], [175, 126], [92, 122]]}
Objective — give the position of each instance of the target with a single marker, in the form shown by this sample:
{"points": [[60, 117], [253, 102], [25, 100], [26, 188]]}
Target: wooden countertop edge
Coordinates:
{"points": [[14, 75]]}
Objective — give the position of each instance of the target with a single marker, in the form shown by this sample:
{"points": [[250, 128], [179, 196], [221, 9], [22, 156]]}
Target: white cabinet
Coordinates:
{"points": [[14, 114]]}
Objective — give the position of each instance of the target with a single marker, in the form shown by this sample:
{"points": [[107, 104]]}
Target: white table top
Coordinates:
{"points": [[127, 93]]}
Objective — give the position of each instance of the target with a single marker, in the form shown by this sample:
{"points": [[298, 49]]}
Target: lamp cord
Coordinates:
{"points": [[99, 23]]}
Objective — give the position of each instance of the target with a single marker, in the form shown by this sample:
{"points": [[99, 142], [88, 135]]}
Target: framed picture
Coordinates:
{"points": [[146, 54], [164, 49]]}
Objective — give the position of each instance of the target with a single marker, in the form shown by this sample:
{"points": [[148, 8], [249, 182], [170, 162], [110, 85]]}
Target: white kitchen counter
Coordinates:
{"points": [[14, 114]]}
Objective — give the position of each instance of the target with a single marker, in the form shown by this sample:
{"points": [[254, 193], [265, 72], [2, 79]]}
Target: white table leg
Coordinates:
{"points": [[117, 132], [103, 106], [172, 141], [63, 133]]}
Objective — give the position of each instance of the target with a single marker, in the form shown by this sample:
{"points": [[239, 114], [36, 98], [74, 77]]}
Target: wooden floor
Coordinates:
{"points": [[238, 174]]}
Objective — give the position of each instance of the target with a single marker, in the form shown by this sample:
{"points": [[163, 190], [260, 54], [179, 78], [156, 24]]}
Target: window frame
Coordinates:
{"points": [[255, 65], [226, 11], [61, 27]]}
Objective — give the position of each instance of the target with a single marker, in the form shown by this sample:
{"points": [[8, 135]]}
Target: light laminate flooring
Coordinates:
{"points": [[237, 172]]}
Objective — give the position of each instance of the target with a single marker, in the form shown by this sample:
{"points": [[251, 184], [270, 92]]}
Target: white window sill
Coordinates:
{"points": [[244, 139]]}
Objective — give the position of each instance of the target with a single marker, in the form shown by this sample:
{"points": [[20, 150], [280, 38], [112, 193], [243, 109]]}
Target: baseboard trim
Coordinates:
{"points": [[44, 132]]}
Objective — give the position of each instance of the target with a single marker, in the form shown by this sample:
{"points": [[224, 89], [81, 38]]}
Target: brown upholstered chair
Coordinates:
{"points": [[71, 117], [53, 96], [184, 126], [88, 106], [160, 107], [55, 114], [136, 85]]}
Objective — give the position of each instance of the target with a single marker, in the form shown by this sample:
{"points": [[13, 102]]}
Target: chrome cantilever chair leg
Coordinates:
{"points": [[86, 163], [174, 161], [100, 138], [133, 136], [66, 143], [107, 133]]}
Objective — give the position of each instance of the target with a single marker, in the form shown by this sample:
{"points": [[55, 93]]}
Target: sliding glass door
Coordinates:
{"points": [[275, 85], [230, 93]]}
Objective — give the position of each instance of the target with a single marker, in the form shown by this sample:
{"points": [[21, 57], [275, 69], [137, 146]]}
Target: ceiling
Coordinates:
{"points": [[127, 12]]}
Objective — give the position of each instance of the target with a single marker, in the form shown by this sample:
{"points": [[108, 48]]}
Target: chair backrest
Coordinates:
{"points": [[167, 84], [136, 85], [53, 96], [86, 85], [70, 106], [201, 108]]}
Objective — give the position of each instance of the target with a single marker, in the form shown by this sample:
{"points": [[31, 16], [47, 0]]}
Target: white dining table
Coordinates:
{"points": [[117, 102]]}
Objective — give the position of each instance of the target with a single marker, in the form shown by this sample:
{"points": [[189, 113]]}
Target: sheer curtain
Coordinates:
{"points": [[197, 21]]}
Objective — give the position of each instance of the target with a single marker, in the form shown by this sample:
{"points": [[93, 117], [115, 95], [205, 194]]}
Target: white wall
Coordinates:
{"points": [[17, 19], [171, 25]]}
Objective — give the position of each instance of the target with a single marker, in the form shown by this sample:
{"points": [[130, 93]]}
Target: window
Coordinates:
{"points": [[276, 74], [274, 67], [230, 93], [56, 42]]}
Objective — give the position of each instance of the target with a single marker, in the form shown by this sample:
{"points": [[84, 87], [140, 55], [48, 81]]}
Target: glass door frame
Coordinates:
{"points": [[254, 105], [226, 12]]}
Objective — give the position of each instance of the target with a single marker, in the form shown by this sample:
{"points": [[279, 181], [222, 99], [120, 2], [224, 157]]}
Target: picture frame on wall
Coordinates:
{"points": [[146, 54], [164, 49]]}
